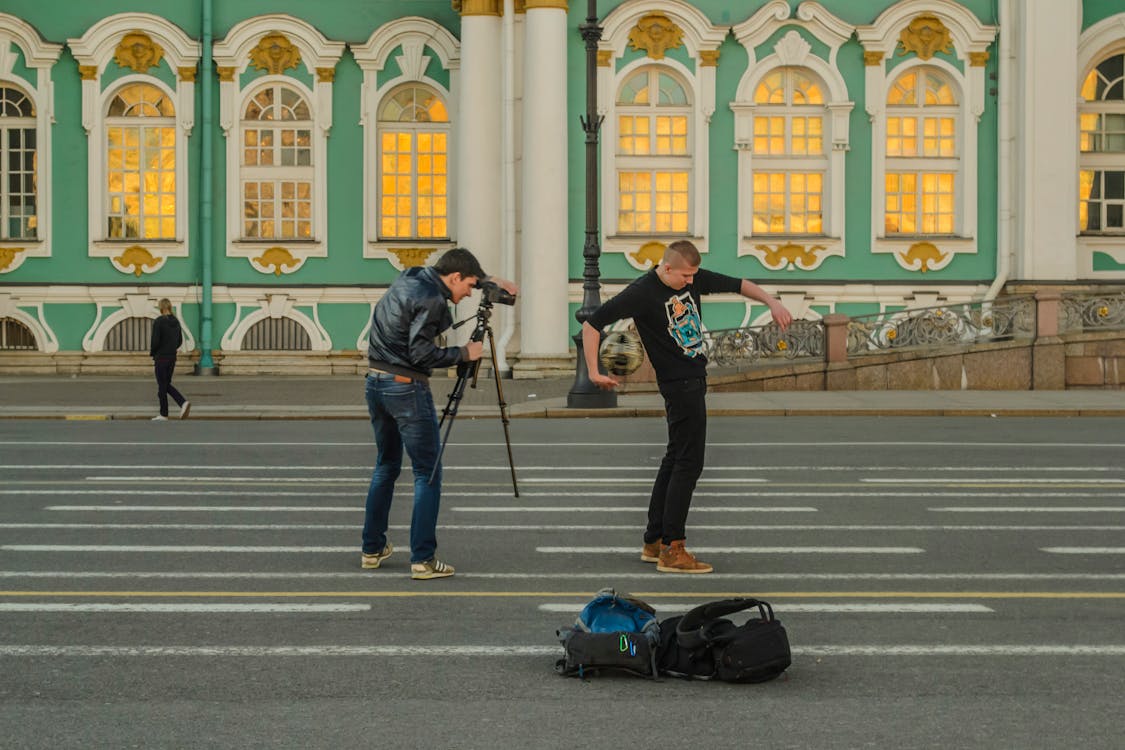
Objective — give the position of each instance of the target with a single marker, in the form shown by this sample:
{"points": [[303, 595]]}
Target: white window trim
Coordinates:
{"points": [[1105, 38], [113, 308], [699, 36], [317, 53], [96, 49], [41, 57], [969, 37], [793, 50], [413, 34]]}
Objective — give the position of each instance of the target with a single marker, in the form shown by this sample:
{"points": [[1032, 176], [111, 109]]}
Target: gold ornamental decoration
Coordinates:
{"points": [[137, 257], [709, 58], [326, 75], [655, 34], [872, 58], [187, 74], [225, 73], [137, 51], [926, 36], [88, 72], [978, 59], [605, 58], [925, 254], [8, 256], [275, 54], [279, 258], [409, 257], [790, 255], [650, 252]]}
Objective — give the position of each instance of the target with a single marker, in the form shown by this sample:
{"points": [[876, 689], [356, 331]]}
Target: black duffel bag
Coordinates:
{"points": [[704, 645]]}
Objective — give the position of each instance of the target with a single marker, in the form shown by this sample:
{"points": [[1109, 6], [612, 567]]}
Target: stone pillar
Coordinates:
{"points": [[544, 249], [1046, 132], [479, 159], [1048, 354], [839, 374]]}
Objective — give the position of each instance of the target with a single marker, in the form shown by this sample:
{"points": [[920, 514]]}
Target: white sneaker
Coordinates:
{"points": [[185, 409], [159, 418]]}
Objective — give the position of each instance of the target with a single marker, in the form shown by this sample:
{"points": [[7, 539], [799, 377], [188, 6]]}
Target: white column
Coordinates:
{"points": [[1045, 172], [479, 159], [544, 322]]}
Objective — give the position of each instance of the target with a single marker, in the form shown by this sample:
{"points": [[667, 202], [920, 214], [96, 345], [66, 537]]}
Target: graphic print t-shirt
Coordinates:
{"points": [[668, 320]]}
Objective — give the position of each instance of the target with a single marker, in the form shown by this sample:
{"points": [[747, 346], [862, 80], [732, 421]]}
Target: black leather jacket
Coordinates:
{"points": [[406, 322]]}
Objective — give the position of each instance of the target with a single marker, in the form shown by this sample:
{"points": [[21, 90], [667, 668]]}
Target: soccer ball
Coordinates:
{"points": [[621, 352]]}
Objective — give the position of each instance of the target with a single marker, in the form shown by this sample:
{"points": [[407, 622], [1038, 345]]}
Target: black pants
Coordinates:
{"points": [[164, 367], [685, 405]]}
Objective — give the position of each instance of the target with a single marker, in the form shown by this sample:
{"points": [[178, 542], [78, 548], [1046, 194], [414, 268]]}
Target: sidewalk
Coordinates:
{"points": [[341, 397]]}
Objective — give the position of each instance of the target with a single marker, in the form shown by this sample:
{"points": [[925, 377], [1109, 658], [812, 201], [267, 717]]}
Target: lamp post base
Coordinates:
{"points": [[583, 393]]}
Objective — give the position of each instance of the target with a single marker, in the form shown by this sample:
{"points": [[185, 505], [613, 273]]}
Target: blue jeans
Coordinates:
{"points": [[402, 414]]}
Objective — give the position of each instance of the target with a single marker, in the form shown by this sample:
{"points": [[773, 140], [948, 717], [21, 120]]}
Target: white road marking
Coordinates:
{"points": [[192, 548], [552, 445], [1027, 509], [786, 608], [358, 508], [979, 480], [628, 508], [743, 550], [558, 467], [555, 527], [183, 608], [1084, 550], [639, 573], [365, 479], [543, 651]]}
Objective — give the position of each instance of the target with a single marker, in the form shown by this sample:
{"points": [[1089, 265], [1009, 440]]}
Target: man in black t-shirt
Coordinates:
{"points": [[664, 304]]}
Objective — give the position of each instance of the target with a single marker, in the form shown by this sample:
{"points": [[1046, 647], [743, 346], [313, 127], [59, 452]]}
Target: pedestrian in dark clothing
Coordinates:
{"points": [[402, 352], [167, 337], [664, 304]]}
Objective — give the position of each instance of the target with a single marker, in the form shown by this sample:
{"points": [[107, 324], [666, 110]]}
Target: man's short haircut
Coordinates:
{"points": [[459, 260], [165, 306], [684, 251]]}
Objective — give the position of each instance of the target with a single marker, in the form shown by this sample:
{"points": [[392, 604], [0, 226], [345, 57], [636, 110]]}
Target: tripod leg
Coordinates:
{"points": [[450, 411], [503, 412]]}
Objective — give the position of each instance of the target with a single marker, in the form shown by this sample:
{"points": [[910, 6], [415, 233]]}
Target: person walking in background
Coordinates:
{"points": [[664, 304], [167, 337]]}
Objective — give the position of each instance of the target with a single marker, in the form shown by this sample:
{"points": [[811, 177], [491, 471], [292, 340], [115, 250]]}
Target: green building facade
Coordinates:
{"points": [[270, 167]]}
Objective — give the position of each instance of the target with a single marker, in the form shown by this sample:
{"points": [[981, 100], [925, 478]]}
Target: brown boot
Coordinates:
{"points": [[675, 559], [650, 552]]}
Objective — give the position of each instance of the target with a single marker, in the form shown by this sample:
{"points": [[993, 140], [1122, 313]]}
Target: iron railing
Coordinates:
{"points": [[1088, 311], [732, 347], [1002, 319]]}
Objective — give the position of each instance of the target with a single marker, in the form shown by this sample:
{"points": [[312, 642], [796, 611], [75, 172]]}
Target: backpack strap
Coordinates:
{"points": [[693, 630]]}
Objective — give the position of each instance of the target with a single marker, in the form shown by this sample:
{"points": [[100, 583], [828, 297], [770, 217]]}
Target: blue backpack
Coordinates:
{"points": [[613, 631]]}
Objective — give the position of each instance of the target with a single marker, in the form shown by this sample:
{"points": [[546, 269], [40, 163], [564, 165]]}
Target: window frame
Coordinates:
{"points": [[1101, 162], [8, 125], [414, 128], [38, 58]]}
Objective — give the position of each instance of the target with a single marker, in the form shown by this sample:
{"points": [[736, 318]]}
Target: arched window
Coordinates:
{"points": [[1101, 203], [14, 335], [18, 185], [654, 159], [277, 165], [130, 335], [790, 162], [140, 130], [413, 159], [277, 334], [922, 155]]}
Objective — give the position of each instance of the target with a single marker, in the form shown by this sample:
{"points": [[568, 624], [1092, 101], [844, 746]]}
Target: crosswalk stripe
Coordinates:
{"points": [[1025, 509], [640, 573], [556, 527]]}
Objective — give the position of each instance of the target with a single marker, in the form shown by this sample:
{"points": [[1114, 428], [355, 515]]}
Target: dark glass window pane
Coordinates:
{"points": [[1113, 216], [1111, 69], [1094, 214], [1115, 185]]}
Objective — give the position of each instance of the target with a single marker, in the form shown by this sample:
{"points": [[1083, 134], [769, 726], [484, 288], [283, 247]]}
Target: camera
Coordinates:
{"points": [[492, 293]]}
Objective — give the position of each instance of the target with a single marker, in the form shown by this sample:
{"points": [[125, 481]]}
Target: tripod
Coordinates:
{"points": [[470, 370]]}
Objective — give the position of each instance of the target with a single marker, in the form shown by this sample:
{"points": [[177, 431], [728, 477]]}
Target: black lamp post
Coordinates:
{"points": [[583, 393]]}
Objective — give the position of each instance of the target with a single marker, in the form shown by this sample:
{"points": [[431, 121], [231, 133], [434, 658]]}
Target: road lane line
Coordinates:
{"points": [[109, 492], [656, 595], [184, 608], [558, 468], [614, 481], [190, 548], [974, 650], [628, 509], [743, 550], [553, 445], [978, 481], [841, 608], [640, 573], [1029, 509], [358, 508], [556, 527], [1084, 550]]}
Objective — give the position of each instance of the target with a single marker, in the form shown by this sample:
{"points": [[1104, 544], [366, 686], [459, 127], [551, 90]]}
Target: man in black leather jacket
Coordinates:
{"points": [[402, 352]]}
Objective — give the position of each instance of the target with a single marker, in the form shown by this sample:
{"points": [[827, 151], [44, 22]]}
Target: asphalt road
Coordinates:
{"points": [[945, 583]]}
